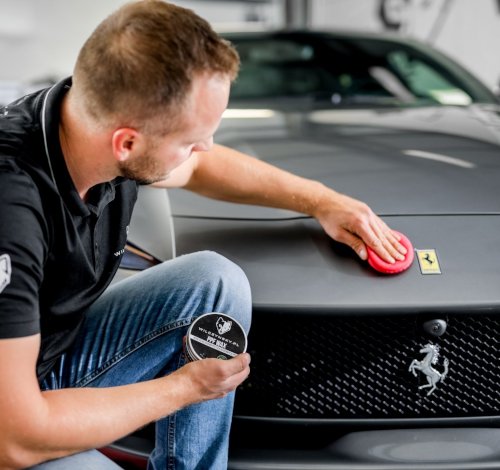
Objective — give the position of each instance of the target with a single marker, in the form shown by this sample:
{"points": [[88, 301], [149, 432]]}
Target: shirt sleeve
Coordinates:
{"points": [[23, 249]]}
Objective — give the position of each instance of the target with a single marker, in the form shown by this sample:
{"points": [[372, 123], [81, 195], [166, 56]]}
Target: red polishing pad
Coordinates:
{"points": [[377, 263]]}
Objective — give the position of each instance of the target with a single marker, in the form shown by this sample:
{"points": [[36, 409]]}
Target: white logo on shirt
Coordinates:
{"points": [[120, 252], [5, 271]]}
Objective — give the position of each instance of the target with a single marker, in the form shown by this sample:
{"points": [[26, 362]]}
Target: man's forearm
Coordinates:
{"points": [[40, 426], [226, 174], [67, 421], [229, 175]]}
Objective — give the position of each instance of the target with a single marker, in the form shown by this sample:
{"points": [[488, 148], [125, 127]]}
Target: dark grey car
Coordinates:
{"points": [[352, 369]]}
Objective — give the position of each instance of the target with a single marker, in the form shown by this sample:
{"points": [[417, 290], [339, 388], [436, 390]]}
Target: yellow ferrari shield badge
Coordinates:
{"points": [[428, 261]]}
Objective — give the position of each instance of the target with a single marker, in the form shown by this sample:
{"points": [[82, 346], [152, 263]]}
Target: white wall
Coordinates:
{"points": [[466, 30], [40, 38]]}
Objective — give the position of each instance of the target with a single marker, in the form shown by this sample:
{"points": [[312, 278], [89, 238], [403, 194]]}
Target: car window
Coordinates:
{"points": [[349, 70], [425, 81], [279, 67]]}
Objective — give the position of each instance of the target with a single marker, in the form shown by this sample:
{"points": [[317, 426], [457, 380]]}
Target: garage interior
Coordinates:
{"points": [[47, 34]]}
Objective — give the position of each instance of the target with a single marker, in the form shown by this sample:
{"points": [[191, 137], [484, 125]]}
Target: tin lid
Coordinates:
{"points": [[215, 335]]}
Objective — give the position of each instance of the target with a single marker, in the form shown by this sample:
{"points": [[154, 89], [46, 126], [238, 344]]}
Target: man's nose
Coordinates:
{"points": [[204, 145]]}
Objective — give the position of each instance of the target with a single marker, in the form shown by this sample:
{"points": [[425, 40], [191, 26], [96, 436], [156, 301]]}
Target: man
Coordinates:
{"points": [[82, 364]]}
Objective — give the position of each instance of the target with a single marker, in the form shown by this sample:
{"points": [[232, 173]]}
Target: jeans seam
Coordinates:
{"points": [[171, 429], [171, 442], [85, 381]]}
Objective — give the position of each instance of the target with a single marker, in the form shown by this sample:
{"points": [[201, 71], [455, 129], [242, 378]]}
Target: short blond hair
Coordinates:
{"points": [[140, 62]]}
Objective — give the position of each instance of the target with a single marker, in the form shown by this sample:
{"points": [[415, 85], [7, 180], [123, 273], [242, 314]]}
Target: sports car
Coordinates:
{"points": [[352, 368]]}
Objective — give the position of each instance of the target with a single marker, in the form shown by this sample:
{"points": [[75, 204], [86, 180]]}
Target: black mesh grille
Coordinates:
{"points": [[357, 368]]}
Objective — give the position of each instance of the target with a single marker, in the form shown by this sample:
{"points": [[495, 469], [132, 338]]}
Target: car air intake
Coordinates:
{"points": [[360, 367]]}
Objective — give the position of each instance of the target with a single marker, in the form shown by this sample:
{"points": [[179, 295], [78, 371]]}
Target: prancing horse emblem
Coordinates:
{"points": [[425, 366]]}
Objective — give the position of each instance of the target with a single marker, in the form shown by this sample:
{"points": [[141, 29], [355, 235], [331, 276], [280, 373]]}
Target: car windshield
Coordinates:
{"points": [[347, 70]]}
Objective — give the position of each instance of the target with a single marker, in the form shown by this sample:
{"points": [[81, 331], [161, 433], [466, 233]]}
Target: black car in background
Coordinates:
{"points": [[352, 369]]}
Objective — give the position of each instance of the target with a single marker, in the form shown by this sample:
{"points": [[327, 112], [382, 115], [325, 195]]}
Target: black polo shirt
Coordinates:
{"points": [[57, 253]]}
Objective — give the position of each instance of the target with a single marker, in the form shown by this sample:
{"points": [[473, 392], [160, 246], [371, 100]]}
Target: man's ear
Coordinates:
{"points": [[124, 141]]}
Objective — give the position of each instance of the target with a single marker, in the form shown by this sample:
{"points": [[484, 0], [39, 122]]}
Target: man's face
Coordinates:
{"points": [[201, 117]]}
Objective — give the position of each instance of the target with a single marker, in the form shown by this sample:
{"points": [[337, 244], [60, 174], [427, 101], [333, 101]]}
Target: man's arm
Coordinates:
{"points": [[226, 174], [39, 426]]}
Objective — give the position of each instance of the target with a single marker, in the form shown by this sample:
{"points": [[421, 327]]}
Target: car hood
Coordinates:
{"points": [[420, 161], [294, 266], [431, 173]]}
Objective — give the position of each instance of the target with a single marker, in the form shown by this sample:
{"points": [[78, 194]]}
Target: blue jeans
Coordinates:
{"points": [[134, 332]]}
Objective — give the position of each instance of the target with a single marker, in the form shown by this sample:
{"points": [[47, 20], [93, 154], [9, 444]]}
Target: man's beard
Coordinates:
{"points": [[144, 170]]}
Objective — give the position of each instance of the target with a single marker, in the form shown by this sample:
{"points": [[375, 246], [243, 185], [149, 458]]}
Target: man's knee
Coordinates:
{"points": [[230, 283]]}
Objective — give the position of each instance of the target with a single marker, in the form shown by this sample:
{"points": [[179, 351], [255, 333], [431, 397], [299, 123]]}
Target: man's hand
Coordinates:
{"points": [[207, 379], [352, 222], [39, 426]]}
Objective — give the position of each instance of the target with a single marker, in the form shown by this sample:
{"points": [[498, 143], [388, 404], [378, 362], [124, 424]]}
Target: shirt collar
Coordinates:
{"points": [[99, 195]]}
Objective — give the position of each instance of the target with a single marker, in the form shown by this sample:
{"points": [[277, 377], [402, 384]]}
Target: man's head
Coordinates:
{"points": [[138, 66], [148, 159]]}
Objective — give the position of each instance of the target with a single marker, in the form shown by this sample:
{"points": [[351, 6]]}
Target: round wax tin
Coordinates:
{"points": [[215, 335]]}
